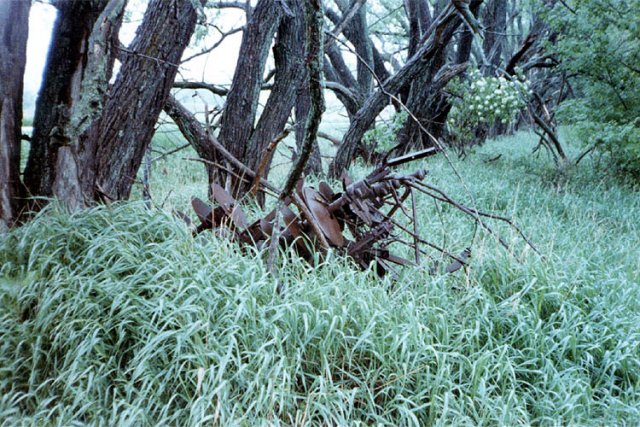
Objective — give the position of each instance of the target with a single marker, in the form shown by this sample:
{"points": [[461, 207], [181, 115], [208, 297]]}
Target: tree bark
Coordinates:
{"points": [[287, 51], [139, 93], [340, 68], [195, 134], [302, 110], [495, 23], [238, 117], [412, 10], [443, 30], [357, 32], [14, 29], [73, 173], [427, 100], [313, 18], [63, 76]]}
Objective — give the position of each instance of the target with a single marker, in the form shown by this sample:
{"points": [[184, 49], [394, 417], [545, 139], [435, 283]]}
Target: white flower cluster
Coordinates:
{"points": [[486, 100]]}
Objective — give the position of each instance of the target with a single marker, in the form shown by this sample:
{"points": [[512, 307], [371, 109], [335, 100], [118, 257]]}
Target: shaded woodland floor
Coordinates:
{"points": [[118, 316]]}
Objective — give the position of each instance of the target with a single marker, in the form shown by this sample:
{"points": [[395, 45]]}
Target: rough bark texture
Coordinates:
{"points": [[63, 76], [14, 27], [427, 100], [443, 30], [342, 86], [313, 59], [352, 90], [195, 134], [302, 110], [357, 32], [412, 10], [73, 181], [425, 15], [287, 51], [139, 93], [495, 23], [463, 53], [236, 123]]}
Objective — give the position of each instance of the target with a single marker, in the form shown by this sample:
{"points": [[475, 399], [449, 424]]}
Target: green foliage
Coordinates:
{"points": [[620, 141], [117, 316], [480, 100], [384, 137], [599, 43]]}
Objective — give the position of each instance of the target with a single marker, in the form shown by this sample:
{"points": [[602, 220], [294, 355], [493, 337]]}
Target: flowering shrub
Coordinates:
{"points": [[484, 100]]}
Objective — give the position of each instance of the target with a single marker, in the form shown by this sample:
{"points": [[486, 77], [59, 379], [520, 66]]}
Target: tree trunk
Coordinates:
{"points": [[313, 18], [73, 180], [412, 10], [14, 29], [421, 102], [495, 23], [139, 93], [195, 134], [443, 30], [357, 32], [415, 11], [287, 51], [238, 117], [427, 100], [303, 108], [63, 76]]}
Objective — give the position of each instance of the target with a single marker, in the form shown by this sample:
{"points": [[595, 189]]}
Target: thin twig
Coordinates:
{"points": [[170, 152], [247, 175]]}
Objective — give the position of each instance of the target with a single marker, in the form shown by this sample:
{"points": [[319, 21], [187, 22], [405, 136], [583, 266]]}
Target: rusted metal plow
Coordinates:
{"points": [[357, 221]]}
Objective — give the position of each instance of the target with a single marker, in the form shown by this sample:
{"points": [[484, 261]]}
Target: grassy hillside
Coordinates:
{"points": [[117, 316]]}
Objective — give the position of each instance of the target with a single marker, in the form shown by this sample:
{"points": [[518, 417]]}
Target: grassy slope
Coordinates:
{"points": [[118, 316]]}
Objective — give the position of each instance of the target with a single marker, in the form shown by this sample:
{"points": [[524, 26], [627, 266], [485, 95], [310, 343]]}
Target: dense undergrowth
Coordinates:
{"points": [[117, 316]]}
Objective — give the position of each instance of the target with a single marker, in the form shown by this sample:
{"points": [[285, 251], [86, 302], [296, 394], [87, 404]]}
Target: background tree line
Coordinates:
{"points": [[431, 61]]}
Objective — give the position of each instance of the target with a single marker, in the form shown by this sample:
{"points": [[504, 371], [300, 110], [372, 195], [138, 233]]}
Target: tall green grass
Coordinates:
{"points": [[117, 316]]}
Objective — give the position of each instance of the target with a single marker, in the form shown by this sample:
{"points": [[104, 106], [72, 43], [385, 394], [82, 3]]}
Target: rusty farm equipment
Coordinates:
{"points": [[359, 221]]}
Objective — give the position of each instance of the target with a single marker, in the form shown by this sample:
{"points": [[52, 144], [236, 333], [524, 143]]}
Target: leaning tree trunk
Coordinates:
{"points": [[195, 134], [443, 29], [427, 100], [60, 91], [14, 28], [287, 51], [139, 93], [238, 117], [302, 110]]}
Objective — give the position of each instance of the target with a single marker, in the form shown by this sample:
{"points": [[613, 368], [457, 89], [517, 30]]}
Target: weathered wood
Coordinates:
{"points": [[442, 31], [14, 27], [62, 82], [211, 150], [289, 75], [302, 110], [238, 117], [195, 134], [495, 23], [313, 59], [73, 171], [139, 93], [427, 100], [357, 32]]}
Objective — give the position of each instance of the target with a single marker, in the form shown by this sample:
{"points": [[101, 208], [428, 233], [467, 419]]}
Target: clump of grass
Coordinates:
{"points": [[118, 316]]}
